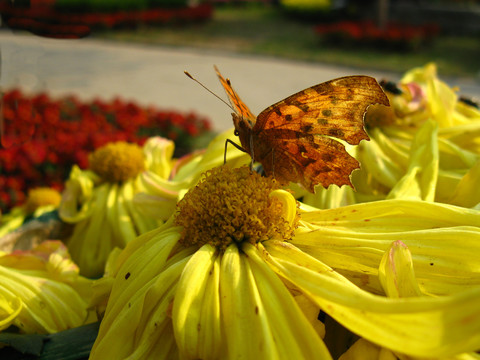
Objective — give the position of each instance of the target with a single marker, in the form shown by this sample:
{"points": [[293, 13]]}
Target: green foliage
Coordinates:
{"points": [[101, 5], [117, 5], [168, 3], [72, 344]]}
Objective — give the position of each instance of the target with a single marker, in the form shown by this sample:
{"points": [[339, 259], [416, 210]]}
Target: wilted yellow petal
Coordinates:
{"points": [[311, 312], [442, 99], [87, 251], [11, 221], [134, 319], [77, 202], [10, 307], [421, 178], [396, 272], [444, 241], [419, 326], [467, 192], [158, 153], [293, 333], [247, 334], [48, 306], [196, 309], [377, 164], [329, 198], [364, 350]]}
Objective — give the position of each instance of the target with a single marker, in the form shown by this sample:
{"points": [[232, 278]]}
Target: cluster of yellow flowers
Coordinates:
{"points": [[203, 261]]}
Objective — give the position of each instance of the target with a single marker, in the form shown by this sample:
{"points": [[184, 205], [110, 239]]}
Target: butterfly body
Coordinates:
{"points": [[299, 139]]}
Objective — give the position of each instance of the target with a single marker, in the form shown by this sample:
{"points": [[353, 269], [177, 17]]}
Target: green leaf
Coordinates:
{"points": [[24, 344], [72, 344]]}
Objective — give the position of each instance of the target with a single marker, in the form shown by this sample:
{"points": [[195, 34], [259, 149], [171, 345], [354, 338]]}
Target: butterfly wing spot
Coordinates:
{"points": [[322, 121], [327, 112], [338, 133], [277, 111], [288, 117], [350, 94], [307, 128], [328, 157], [333, 100], [298, 104]]}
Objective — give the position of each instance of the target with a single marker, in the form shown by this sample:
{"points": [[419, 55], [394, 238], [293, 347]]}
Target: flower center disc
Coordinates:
{"points": [[41, 197], [234, 205], [118, 161]]}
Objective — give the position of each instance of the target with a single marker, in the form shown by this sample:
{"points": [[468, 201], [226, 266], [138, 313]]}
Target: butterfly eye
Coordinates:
{"points": [[236, 133]]}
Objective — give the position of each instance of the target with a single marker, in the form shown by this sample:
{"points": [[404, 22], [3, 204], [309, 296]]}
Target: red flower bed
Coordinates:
{"points": [[395, 36], [47, 21], [42, 137]]}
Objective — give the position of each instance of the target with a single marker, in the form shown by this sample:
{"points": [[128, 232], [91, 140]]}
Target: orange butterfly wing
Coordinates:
{"points": [[240, 107], [295, 138]]}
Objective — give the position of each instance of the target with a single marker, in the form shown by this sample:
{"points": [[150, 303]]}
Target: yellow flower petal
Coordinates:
{"points": [[294, 336], [158, 153], [11, 221], [365, 350], [10, 307], [420, 180], [428, 327], [467, 192], [247, 332], [142, 294], [77, 202], [353, 239], [196, 310], [377, 164], [49, 306], [396, 272]]}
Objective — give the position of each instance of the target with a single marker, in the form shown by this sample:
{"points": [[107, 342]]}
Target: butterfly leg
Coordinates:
{"points": [[225, 152]]}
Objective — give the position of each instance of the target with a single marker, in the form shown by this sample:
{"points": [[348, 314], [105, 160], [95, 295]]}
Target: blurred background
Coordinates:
{"points": [[76, 74]]}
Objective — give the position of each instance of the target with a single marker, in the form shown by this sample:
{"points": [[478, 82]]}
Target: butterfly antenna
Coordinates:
{"points": [[210, 91]]}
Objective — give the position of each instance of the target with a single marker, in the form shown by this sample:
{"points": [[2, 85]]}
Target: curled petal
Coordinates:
{"points": [[289, 205], [158, 153], [10, 308], [77, 198], [396, 272], [419, 326]]}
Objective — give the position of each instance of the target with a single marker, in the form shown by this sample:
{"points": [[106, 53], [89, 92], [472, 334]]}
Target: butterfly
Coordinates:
{"points": [[298, 139]]}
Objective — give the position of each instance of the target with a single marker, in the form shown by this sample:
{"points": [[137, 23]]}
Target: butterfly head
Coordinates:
{"points": [[243, 129]]}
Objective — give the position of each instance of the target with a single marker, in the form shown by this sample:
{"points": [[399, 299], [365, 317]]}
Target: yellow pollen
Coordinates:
{"points": [[118, 161], [233, 206], [41, 197]]}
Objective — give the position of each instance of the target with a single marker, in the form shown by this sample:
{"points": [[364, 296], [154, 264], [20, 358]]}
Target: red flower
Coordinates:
{"points": [[49, 136]]}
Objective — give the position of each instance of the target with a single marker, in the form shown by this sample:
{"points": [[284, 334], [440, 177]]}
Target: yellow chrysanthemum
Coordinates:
{"points": [[41, 291], [39, 201], [256, 293], [126, 192], [425, 146], [99, 201]]}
